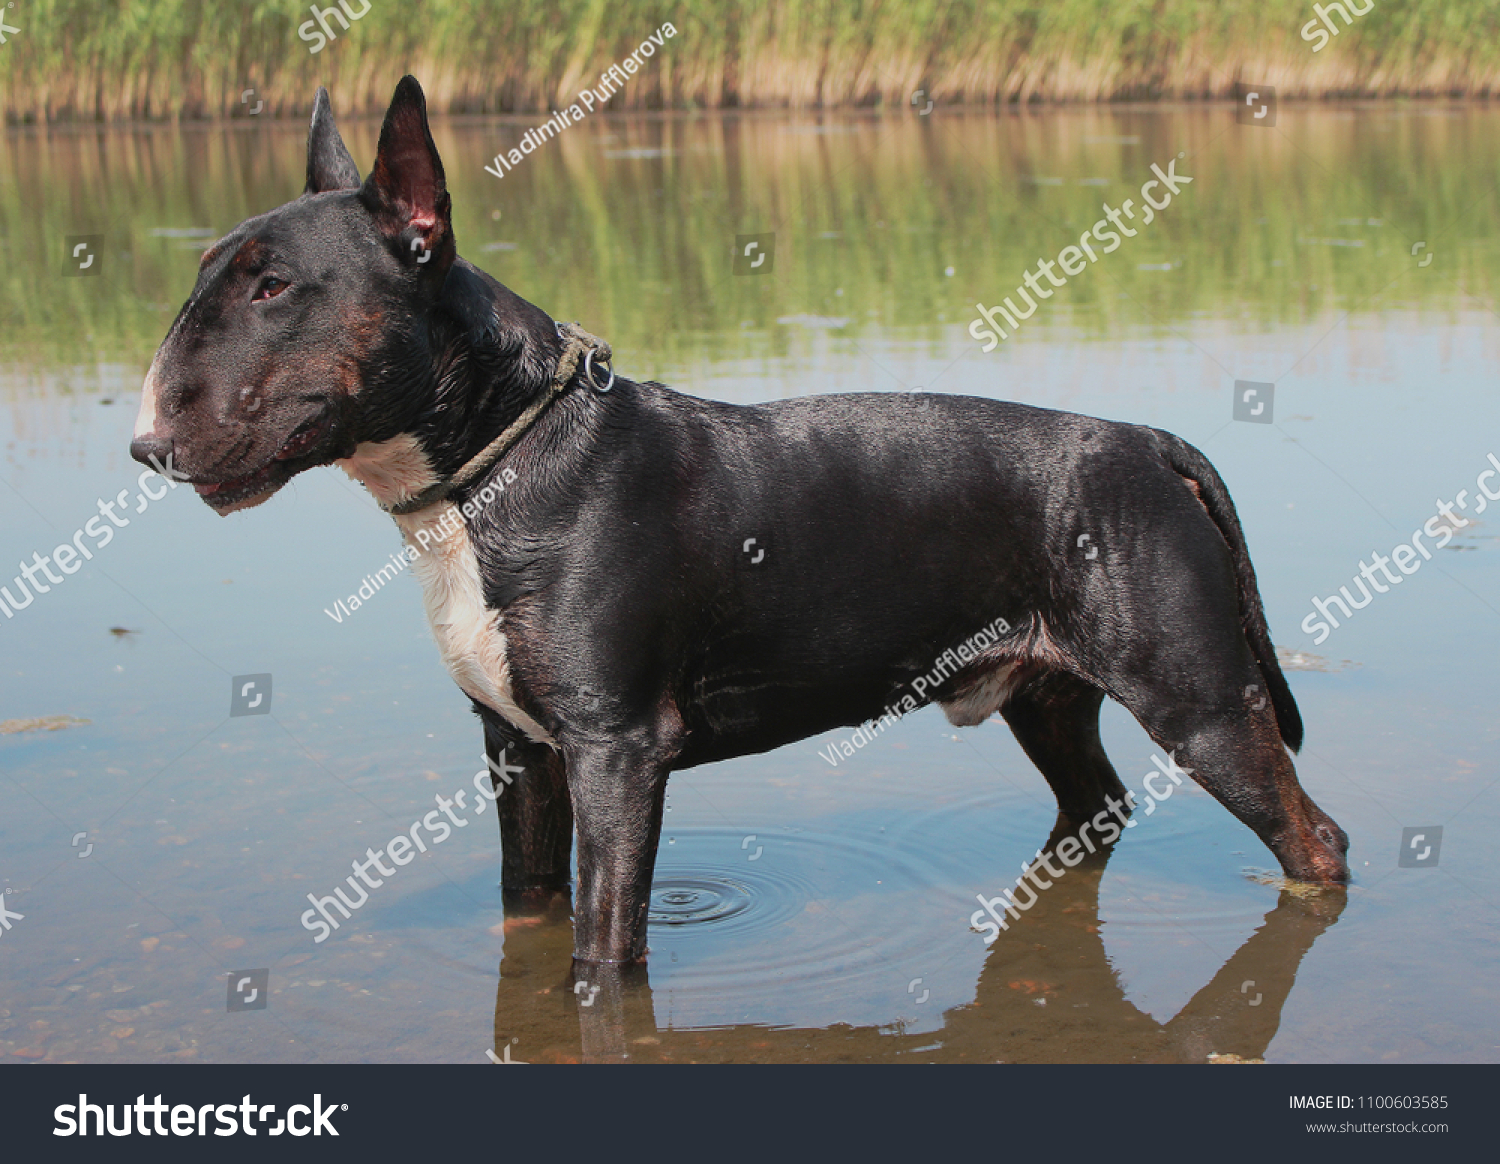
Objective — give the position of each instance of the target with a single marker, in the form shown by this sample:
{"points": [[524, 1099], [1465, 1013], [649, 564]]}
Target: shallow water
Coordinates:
{"points": [[803, 912]]}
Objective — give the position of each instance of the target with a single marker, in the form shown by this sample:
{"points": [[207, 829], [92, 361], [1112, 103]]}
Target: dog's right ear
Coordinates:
{"points": [[329, 166]]}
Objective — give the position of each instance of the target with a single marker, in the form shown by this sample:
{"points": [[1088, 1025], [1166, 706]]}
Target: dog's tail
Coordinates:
{"points": [[1189, 463]]}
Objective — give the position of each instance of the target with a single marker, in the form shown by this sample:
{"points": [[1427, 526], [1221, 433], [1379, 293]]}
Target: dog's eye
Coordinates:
{"points": [[269, 289]]}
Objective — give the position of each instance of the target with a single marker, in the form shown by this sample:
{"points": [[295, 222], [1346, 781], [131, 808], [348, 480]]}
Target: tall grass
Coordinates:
{"points": [[109, 59]]}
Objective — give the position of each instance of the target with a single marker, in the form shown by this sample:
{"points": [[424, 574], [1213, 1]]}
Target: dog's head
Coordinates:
{"points": [[306, 331]]}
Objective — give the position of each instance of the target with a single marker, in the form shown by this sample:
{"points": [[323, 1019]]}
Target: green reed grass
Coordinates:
{"points": [[109, 59]]}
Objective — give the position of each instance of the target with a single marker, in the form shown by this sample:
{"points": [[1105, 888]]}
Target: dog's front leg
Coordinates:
{"points": [[536, 814], [618, 794]]}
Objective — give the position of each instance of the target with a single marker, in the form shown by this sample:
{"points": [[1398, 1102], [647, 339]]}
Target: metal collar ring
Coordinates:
{"points": [[588, 372]]}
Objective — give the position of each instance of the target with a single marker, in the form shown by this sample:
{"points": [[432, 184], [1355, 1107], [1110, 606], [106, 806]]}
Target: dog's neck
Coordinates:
{"points": [[490, 356]]}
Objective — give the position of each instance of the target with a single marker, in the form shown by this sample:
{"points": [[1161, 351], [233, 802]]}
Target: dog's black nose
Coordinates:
{"points": [[145, 448]]}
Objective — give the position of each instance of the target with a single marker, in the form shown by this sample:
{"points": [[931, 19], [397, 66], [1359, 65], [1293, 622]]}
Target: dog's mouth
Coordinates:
{"points": [[253, 488]]}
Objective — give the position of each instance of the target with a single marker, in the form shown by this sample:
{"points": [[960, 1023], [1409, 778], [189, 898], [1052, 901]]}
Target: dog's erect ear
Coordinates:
{"points": [[329, 166], [406, 192]]}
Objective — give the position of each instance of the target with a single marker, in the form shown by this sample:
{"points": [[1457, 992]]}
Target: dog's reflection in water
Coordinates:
{"points": [[1054, 956]]}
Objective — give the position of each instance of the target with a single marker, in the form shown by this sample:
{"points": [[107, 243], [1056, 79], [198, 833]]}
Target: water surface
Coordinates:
{"points": [[803, 912]]}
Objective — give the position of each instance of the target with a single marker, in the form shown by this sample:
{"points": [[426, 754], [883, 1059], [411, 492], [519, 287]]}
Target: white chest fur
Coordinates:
{"points": [[468, 633]]}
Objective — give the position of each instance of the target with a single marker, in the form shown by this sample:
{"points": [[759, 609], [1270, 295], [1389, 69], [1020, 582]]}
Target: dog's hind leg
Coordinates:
{"points": [[536, 813], [1188, 651], [1055, 719], [1204, 701]]}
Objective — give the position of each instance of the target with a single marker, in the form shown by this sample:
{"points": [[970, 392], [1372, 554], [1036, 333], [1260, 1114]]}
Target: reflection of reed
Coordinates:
{"points": [[177, 58], [627, 223], [1046, 994]]}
